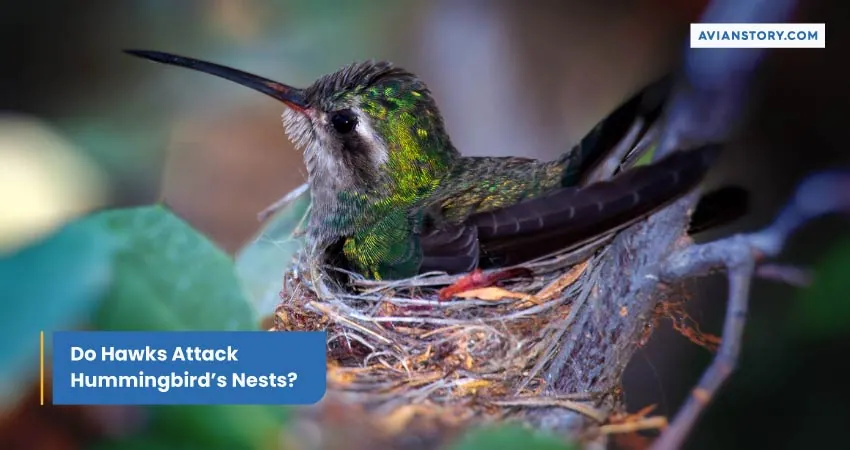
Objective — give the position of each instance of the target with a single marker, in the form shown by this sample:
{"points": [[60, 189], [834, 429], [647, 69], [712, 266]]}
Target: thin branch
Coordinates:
{"points": [[794, 276], [818, 195], [543, 402], [711, 99], [707, 106], [724, 362], [281, 202]]}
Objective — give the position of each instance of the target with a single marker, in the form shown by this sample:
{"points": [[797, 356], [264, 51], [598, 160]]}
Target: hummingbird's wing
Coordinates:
{"points": [[572, 215], [450, 248], [563, 218], [456, 247], [517, 222]]}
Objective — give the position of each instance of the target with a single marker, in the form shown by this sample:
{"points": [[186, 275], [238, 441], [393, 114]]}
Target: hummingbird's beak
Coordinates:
{"points": [[290, 96]]}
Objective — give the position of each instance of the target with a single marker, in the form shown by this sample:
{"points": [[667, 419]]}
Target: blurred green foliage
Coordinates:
{"points": [[261, 263], [646, 157], [210, 427], [144, 443], [823, 310], [509, 437], [145, 269], [168, 276], [50, 285], [133, 269]]}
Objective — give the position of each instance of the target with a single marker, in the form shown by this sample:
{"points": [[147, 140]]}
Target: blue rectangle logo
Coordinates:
{"points": [[189, 367]]}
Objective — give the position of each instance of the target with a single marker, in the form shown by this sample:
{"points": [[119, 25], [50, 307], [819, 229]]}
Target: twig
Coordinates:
{"points": [[712, 98], [281, 202], [348, 322], [649, 423], [818, 195], [561, 330], [794, 276], [724, 362], [707, 106], [544, 402]]}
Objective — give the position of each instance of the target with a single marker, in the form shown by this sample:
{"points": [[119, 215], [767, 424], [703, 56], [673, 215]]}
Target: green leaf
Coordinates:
{"points": [[262, 262], [510, 437], [222, 426], [134, 269], [206, 427], [168, 276], [52, 284], [147, 442], [824, 309]]}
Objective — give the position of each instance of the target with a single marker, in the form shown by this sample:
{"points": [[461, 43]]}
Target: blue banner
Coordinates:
{"points": [[188, 367]]}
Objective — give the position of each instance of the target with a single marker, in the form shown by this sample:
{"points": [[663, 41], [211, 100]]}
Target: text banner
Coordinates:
{"points": [[188, 368]]}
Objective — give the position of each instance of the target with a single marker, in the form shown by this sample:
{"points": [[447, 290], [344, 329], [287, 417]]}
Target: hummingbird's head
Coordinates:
{"points": [[363, 126], [367, 120]]}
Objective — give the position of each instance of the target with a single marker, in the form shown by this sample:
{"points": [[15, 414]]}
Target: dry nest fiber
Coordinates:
{"points": [[402, 351]]}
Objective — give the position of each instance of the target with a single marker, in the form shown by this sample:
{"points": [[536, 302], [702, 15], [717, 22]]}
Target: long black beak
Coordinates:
{"points": [[292, 97]]}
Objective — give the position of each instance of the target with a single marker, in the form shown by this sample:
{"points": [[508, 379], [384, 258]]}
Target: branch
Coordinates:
{"points": [[818, 195], [707, 106], [713, 94]]}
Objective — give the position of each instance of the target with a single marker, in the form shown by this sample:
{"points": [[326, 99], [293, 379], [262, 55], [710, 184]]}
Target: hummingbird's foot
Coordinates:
{"points": [[477, 279]]}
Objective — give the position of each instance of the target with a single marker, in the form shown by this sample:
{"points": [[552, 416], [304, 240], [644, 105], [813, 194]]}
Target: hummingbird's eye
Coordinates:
{"points": [[344, 121]]}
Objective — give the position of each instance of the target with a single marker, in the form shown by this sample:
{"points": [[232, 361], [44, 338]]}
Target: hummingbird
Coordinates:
{"points": [[391, 196]]}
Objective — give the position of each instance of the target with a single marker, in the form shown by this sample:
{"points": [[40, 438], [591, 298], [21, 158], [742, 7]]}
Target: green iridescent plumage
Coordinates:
{"points": [[424, 175], [383, 240]]}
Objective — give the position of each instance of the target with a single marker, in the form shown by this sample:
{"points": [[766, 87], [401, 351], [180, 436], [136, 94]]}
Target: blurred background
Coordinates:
{"points": [[83, 126]]}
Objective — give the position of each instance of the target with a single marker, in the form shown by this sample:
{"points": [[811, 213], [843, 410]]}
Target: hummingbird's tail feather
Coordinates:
{"points": [[647, 105], [573, 215], [719, 207]]}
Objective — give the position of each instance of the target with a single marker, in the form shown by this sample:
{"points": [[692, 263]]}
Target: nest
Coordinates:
{"points": [[442, 352]]}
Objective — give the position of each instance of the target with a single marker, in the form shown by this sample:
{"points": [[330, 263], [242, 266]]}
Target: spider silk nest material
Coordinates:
{"points": [[398, 351]]}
